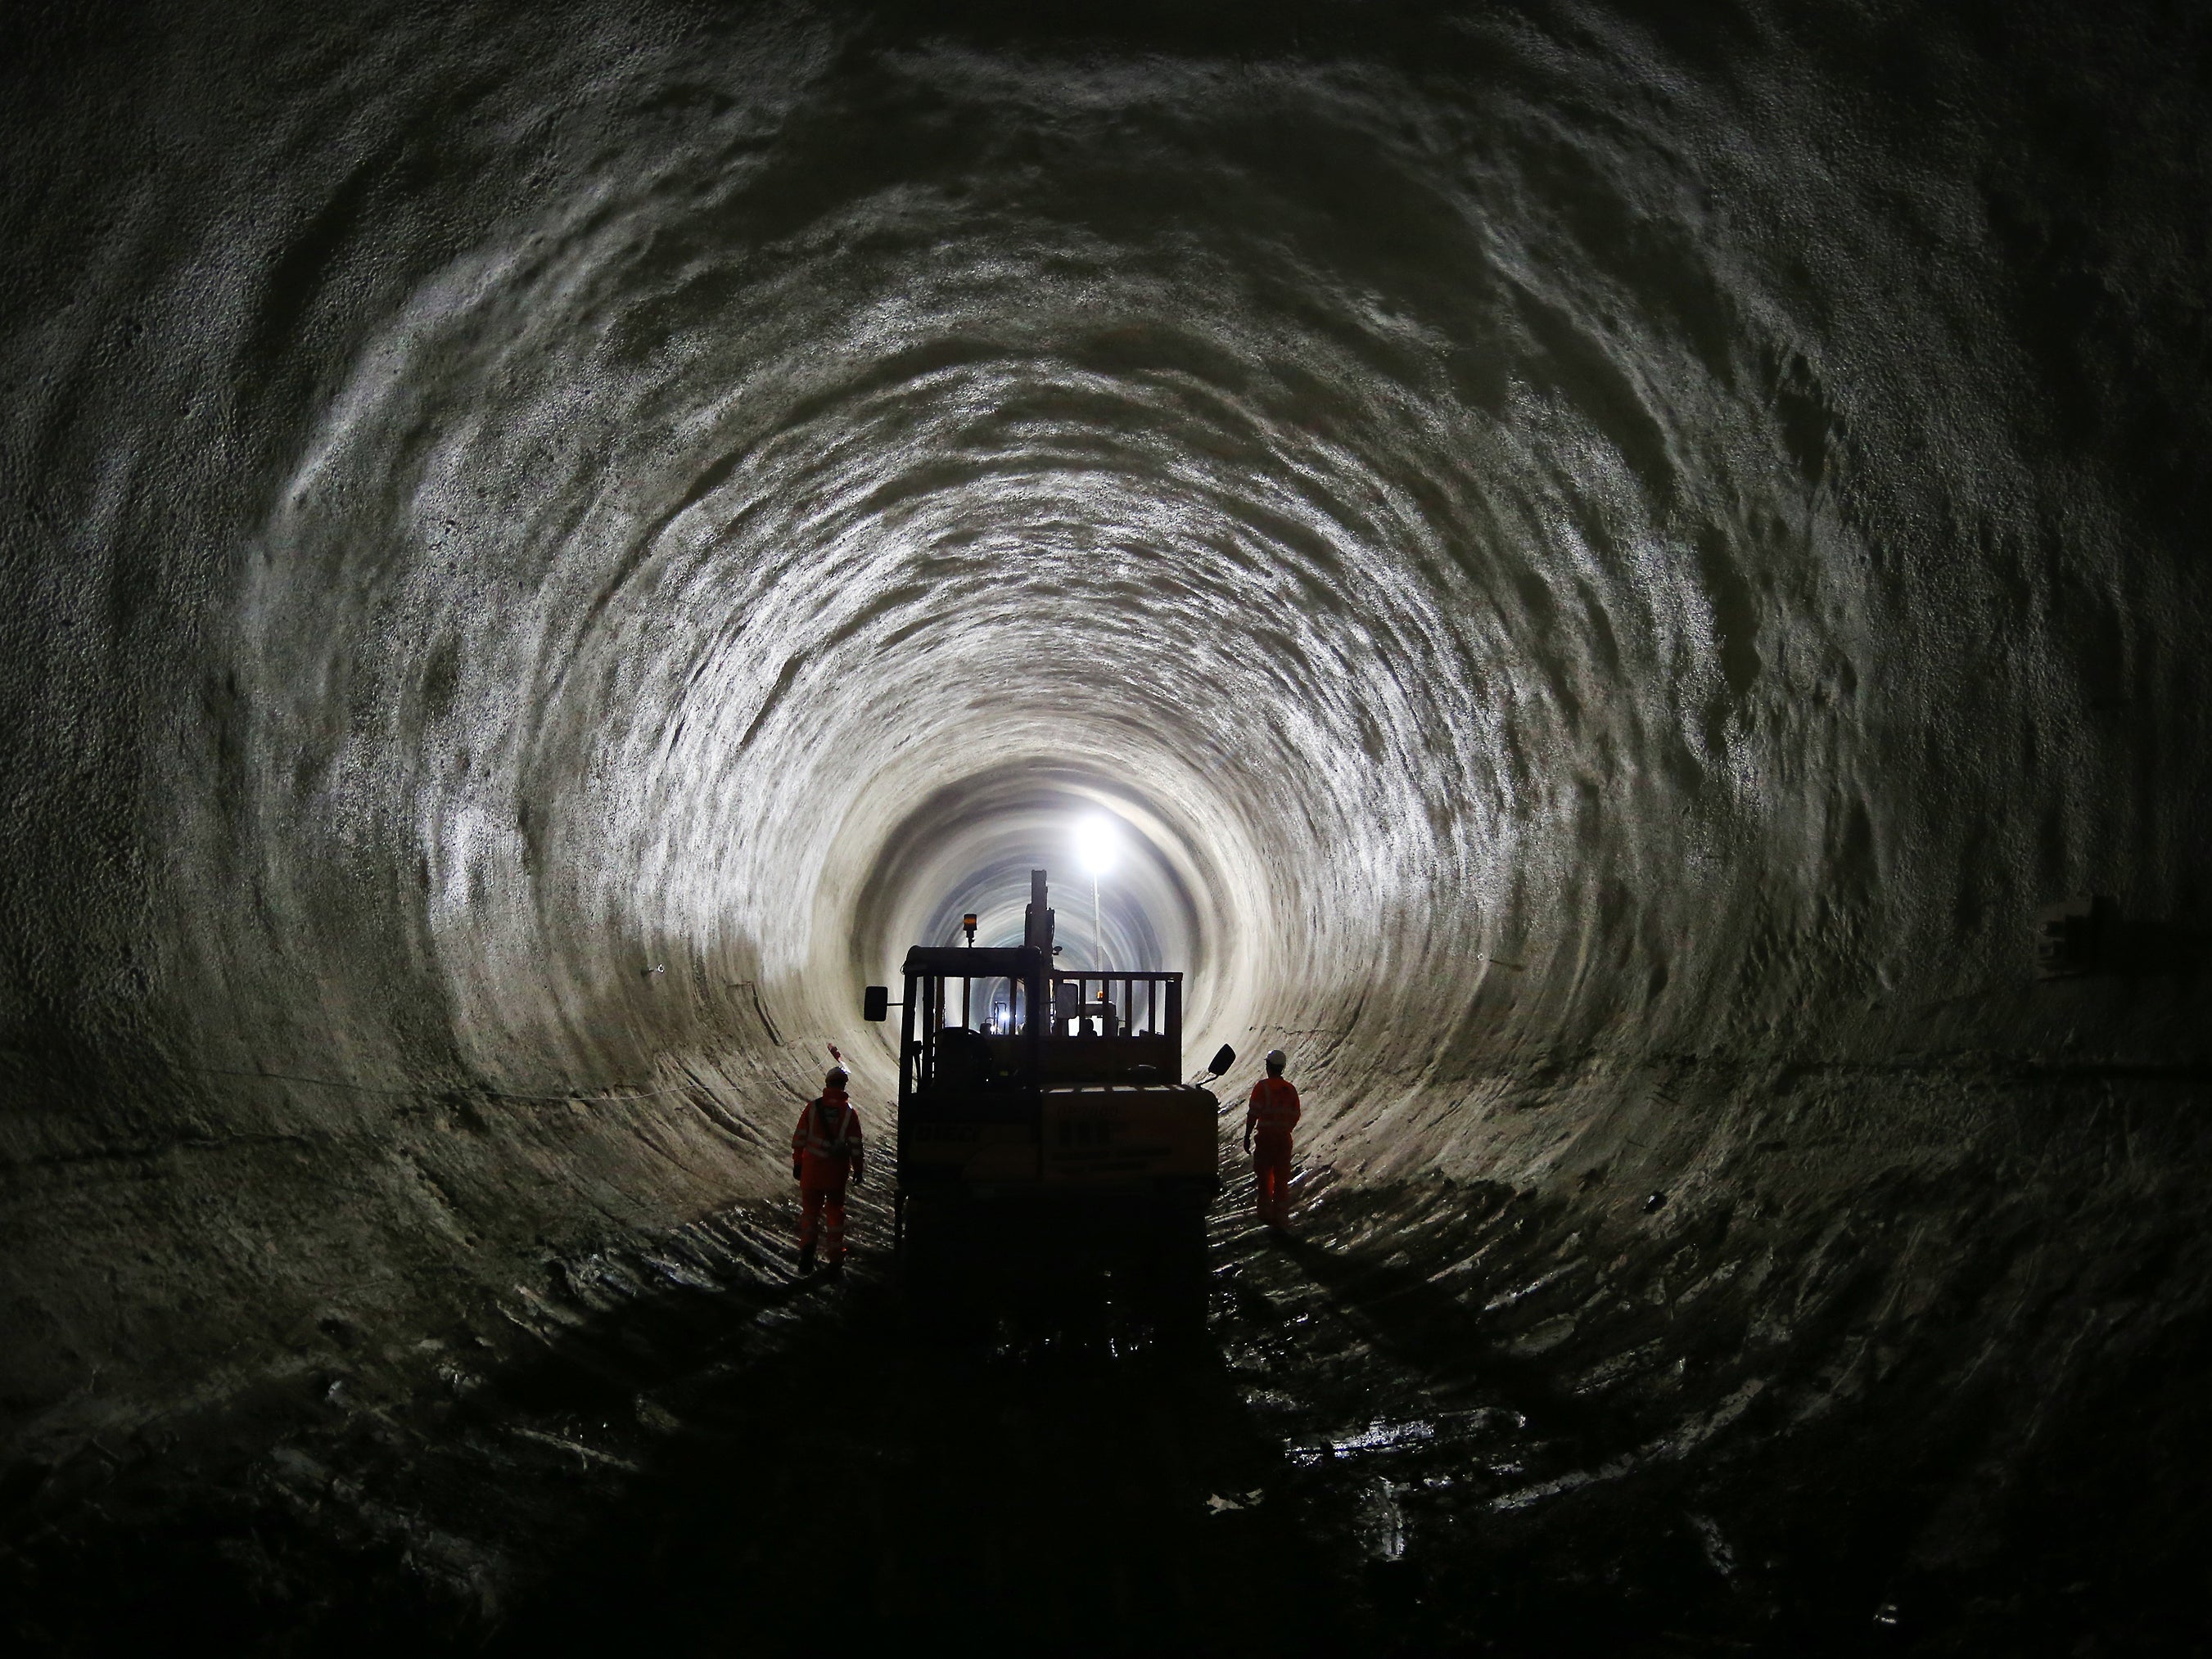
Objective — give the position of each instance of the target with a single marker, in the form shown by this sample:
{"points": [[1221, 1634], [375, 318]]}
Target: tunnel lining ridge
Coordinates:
{"points": [[1624, 569]]}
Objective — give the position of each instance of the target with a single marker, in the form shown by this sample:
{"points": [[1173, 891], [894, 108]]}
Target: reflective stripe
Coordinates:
{"points": [[1274, 1103], [818, 1141]]}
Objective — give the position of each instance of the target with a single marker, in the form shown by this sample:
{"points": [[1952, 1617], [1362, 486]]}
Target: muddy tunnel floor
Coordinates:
{"points": [[1623, 580], [1302, 1445]]}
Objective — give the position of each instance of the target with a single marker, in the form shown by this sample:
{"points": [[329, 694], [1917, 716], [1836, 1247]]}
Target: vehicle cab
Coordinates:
{"points": [[1019, 1080]]}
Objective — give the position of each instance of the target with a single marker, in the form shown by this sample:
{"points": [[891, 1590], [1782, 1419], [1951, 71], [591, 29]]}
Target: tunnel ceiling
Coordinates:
{"points": [[543, 543]]}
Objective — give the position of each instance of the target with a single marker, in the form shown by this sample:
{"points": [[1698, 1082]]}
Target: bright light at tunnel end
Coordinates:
{"points": [[1096, 846]]}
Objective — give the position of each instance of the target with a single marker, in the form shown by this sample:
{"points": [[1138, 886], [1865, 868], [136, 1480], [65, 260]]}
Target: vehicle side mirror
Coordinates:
{"points": [[1067, 999], [1224, 1058], [876, 1002]]}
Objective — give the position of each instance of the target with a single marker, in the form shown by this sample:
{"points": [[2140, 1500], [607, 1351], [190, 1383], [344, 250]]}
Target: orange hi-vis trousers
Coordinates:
{"points": [[1270, 1165], [817, 1204]]}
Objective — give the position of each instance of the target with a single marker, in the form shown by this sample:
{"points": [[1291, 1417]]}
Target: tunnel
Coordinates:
{"points": [[1626, 581]]}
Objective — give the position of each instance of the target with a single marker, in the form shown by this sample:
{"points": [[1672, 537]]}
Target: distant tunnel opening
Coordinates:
{"points": [[1604, 568]]}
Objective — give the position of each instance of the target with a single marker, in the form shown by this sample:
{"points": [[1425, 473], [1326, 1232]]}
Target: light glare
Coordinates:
{"points": [[1094, 847]]}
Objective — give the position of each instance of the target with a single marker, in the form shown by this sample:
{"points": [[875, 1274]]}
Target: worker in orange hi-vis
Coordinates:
{"points": [[1271, 1114], [825, 1148]]}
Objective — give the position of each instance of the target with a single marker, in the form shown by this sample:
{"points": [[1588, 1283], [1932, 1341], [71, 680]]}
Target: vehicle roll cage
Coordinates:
{"points": [[930, 970], [1106, 1012]]}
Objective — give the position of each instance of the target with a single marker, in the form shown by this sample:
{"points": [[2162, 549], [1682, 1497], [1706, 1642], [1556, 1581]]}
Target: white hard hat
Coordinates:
{"points": [[1276, 1060]]}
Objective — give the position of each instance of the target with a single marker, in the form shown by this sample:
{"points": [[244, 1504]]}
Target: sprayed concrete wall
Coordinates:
{"points": [[1606, 561]]}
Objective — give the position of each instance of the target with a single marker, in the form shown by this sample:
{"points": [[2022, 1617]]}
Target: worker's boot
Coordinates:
{"points": [[806, 1257]]}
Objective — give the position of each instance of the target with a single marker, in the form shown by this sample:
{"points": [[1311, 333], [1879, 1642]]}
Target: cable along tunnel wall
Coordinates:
{"points": [[1607, 564]]}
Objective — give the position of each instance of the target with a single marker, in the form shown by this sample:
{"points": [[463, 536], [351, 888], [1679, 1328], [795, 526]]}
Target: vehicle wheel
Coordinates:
{"points": [[1178, 1270]]}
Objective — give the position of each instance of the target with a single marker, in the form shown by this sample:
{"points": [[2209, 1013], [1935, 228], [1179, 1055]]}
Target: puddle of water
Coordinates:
{"points": [[1382, 1522]]}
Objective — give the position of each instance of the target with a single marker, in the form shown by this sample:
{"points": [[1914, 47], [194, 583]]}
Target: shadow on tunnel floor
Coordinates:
{"points": [[1315, 1446], [1032, 1455]]}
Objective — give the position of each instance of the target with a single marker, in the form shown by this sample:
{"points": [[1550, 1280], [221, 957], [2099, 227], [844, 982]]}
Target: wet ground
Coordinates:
{"points": [[1309, 1446]]}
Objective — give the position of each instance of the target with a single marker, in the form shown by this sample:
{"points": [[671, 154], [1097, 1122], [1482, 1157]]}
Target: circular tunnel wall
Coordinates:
{"points": [[1599, 560]]}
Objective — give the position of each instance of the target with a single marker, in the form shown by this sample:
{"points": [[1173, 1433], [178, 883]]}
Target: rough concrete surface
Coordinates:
{"points": [[1606, 561]]}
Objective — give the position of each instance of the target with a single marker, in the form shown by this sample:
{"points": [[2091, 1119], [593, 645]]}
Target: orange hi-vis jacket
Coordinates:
{"points": [[827, 1140], [1273, 1110]]}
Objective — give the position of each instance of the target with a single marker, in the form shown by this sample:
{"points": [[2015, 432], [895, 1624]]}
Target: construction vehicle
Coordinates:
{"points": [[1057, 1093]]}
